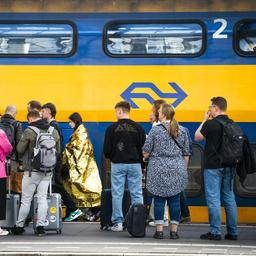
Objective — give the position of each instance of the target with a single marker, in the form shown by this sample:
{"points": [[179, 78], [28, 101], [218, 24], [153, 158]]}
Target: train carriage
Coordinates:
{"points": [[87, 55]]}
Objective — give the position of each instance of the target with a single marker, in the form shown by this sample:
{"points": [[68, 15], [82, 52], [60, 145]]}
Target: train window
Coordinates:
{"points": [[245, 38], [195, 172], [248, 188], [154, 39], [33, 39]]}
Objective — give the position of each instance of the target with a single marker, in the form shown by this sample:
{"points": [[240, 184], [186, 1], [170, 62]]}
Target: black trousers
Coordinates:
{"points": [[2, 198], [66, 198]]}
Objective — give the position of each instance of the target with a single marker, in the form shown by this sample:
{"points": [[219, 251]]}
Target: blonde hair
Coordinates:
{"points": [[169, 113], [155, 108]]}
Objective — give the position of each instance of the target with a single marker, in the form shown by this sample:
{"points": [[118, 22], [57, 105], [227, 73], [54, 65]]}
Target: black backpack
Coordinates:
{"points": [[8, 126], [232, 142]]}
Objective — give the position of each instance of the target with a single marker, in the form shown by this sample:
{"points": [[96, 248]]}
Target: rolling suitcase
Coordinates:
{"points": [[106, 207], [12, 204], [54, 212], [135, 220]]}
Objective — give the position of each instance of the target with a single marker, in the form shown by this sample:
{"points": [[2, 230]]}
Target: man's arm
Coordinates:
{"points": [[18, 132], [198, 135], [23, 143]]}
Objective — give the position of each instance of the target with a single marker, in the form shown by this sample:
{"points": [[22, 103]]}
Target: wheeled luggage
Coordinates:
{"points": [[12, 204], [135, 220], [54, 216], [106, 207]]}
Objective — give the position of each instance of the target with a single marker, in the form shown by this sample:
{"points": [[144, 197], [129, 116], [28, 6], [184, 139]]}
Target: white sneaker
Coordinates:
{"points": [[3, 232], [118, 227]]}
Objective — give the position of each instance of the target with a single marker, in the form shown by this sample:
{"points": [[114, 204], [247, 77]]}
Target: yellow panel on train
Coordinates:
{"points": [[94, 90]]}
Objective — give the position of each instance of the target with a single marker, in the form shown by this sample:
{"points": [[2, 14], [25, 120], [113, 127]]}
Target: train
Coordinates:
{"points": [[86, 56]]}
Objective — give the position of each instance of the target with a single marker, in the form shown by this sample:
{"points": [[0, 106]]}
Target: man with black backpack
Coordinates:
{"points": [[39, 146], [12, 128], [223, 151]]}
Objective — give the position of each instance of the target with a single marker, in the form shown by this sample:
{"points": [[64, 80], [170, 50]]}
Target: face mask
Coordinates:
{"points": [[71, 125]]}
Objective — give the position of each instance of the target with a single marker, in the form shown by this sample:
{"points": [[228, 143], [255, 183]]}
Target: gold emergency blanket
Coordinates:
{"points": [[84, 184]]}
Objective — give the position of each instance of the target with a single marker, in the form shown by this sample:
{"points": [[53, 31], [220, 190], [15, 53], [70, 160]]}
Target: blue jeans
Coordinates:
{"points": [[119, 172], [219, 186], [174, 209]]}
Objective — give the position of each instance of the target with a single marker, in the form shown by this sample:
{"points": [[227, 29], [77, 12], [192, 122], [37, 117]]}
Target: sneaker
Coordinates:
{"points": [[159, 235], [40, 230], [118, 227], [210, 236], [17, 230], [174, 235], [185, 220], [74, 215], [3, 232], [230, 237]]}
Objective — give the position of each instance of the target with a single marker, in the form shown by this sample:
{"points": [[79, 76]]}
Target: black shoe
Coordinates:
{"points": [[230, 237], [158, 235], [210, 236], [40, 231], [17, 230], [174, 235]]}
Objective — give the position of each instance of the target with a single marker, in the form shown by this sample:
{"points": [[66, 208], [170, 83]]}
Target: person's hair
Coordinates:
{"points": [[33, 114], [169, 113], [220, 102], [124, 105], [34, 104], [52, 108], [155, 107], [76, 118], [11, 109]]}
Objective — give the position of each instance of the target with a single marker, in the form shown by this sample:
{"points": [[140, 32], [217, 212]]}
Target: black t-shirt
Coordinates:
{"points": [[212, 131], [123, 142]]}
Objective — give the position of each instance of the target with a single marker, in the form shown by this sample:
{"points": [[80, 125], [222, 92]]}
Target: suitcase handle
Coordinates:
{"points": [[8, 172]]}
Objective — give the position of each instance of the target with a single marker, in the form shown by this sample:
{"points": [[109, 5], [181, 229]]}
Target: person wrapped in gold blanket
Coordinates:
{"points": [[81, 178]]}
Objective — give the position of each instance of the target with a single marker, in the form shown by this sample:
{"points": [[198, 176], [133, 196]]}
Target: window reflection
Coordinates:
{"points": [[154, 39], [36, 39], [246, 35]]}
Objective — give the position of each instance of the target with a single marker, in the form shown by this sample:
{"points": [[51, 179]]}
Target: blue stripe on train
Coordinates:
{"points": [[96, 132], [90, 29]]}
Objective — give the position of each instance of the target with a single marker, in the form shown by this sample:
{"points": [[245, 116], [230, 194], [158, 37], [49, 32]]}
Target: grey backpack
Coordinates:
{"points": [[45, 155]]}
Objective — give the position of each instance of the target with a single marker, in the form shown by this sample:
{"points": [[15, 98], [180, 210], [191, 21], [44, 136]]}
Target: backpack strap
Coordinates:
{"points": [[35, 129], [176, 142], [50, 129]]}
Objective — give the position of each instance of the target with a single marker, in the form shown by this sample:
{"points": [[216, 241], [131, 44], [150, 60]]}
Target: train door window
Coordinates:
{"points": [[166, 39], [36, 39], [245, 38], [195, 172], [248, 188]]}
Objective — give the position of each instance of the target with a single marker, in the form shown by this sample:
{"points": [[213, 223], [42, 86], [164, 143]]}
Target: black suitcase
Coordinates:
{"points": [[106, 207], [135, 220]]}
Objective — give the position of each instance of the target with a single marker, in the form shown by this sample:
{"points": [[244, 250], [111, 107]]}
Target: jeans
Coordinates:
{"points": [[119, 172], [37, 182], [174, 208], [219, 186], [184, 210]]}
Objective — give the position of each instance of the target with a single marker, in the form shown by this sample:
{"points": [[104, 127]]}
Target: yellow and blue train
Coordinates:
{"points": [[86, 57]]}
